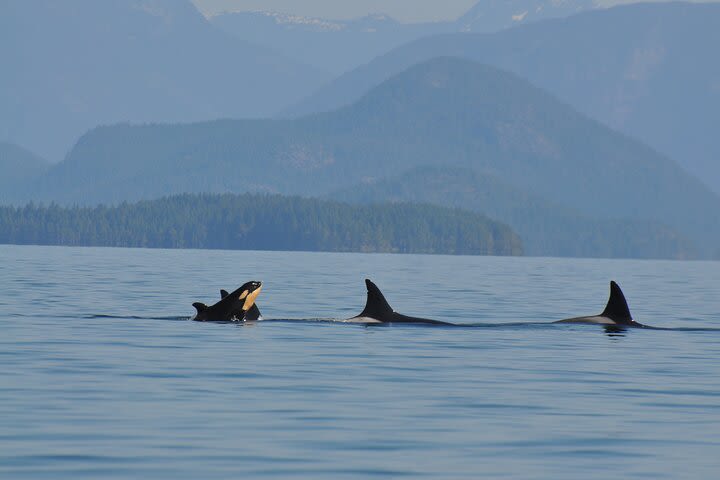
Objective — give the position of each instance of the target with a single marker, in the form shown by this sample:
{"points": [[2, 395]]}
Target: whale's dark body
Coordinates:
{"points": [[378, 311], [251, 315], [233, 307], [616, 312]]}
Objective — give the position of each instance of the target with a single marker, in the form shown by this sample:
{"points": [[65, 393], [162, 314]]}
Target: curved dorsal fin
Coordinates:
{"points": [[617, 307], [376, 306], [253, 314], [223, 293], [200, 307]]}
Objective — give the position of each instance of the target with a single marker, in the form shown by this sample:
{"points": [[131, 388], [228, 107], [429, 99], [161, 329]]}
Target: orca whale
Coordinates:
{"points": [[233, 307], [616, 312], [251, 315], [378, 311]]}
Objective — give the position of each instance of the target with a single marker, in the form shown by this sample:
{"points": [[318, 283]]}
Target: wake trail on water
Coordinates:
{"points": [[335, 321], [136, 317], [133, 317], [475, 325], [96, 316]]}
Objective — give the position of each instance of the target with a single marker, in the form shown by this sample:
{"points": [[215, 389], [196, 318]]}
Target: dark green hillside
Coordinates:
{"points": [[18, 167], [442, 113], [649, 70], [546, 229], [261, 222]]}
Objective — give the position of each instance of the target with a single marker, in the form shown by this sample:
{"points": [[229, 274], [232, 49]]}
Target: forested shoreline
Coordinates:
{"points": [[260, 222]]}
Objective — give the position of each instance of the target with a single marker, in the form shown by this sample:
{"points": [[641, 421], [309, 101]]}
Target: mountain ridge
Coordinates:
{"points": [[85, 63], [340, 45], [634, 91], [445, 113], [18, 166]]}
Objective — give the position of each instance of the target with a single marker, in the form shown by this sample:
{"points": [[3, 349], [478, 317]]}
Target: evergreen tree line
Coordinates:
{"points": [[260, 222]]}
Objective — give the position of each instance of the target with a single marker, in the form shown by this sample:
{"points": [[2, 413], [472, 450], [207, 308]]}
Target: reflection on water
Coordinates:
{"points": [[615, 330]]}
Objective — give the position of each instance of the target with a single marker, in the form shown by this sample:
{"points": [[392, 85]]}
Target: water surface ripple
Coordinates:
{"points": [[103, 377]]}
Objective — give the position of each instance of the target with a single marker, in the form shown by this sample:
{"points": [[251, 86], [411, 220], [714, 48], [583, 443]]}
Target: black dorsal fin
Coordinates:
{"points": [[252, 314], [200, 307], [223, 293], [376, 306], [617, 307]]}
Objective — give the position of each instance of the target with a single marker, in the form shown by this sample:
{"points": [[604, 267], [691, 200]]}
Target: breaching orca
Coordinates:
{"points": [[377, 310], [616, 312], [234, 307]]}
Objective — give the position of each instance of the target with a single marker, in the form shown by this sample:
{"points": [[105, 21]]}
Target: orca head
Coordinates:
{"points": [[617, 308], [247, 294], [251, 315], [376, 307]]}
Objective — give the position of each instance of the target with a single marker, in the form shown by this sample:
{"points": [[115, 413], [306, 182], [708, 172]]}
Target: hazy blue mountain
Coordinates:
{"points": [[649, 70], [341, 45], [68, 66], [443, 113], [332, 45], [261, 222], [494, 15], [546, 228], [18, 167]]}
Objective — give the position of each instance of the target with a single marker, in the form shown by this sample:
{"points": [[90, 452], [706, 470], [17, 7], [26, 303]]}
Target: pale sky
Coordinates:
{"points": [[403, 10]]}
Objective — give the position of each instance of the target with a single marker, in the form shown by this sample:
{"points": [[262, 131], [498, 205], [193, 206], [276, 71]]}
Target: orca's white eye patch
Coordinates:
{"points": [[244, 294]]}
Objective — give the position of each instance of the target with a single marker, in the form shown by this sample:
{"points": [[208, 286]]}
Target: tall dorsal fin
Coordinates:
{"points": [[253, 314], [376, 306], [223, 293], [617, 307], [200, 307]]}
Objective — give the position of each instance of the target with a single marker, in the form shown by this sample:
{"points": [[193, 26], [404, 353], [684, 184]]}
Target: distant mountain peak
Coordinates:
{"points": [[290, 20], [101, 62], [520, 16], [488, 15], [379, 17], [369, 23], [181, 13]]}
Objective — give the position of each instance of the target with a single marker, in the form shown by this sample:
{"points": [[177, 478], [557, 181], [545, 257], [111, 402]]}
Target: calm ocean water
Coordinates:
{"points": [[103, 376]]}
